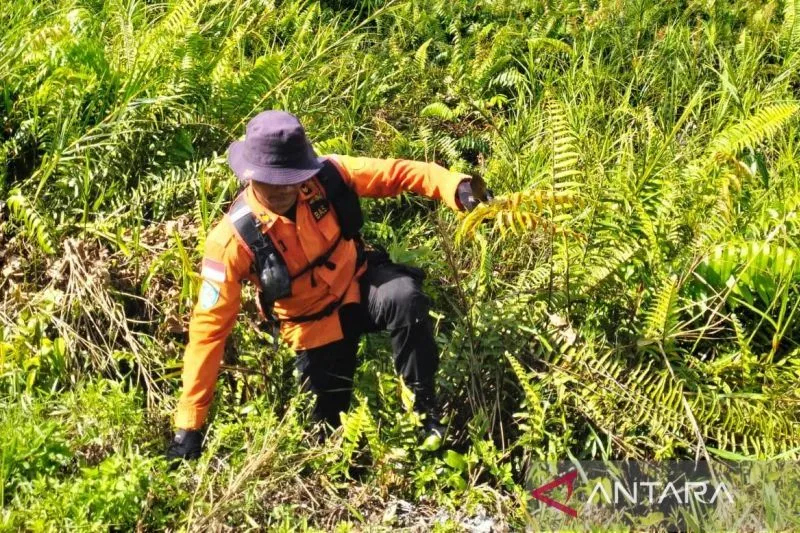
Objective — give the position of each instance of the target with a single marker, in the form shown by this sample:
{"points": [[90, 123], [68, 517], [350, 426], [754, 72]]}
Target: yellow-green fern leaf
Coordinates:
{"points": [[533, 397], [421, 55], [441, 111], [22, 211], [765, 123], [741, 338], [790, 29], [661, 318], [520, 212], [539, 43], [354, 425], [566, 154], [749, 267]]}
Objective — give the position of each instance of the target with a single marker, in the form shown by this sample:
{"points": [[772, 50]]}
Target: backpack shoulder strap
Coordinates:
{"points": [[248, 230], [329, 176], [343, 199]]}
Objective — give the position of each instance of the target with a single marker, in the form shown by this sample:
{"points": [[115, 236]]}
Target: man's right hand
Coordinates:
{"points": [[472, 192], [187, 444]]}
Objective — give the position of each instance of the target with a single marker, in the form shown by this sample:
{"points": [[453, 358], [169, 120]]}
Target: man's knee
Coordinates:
{"points": [[405, 301]]}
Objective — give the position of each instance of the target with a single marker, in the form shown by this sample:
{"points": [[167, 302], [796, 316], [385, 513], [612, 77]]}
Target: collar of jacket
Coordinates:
{"points": [[268, 217]]}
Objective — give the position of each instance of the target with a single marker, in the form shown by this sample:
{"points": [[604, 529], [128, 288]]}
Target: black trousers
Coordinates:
{"points": [[391, 299]]}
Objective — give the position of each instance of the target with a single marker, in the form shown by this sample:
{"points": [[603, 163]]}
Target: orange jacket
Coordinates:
{"points": [[227, 261]]}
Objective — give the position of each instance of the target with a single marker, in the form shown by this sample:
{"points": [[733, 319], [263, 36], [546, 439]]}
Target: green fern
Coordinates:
{"points": [[565, 152], [23, 212], [534, 417], [716, 223], [763, 124], [750, 267], [449, 147], [473, 143], [603, 262], [441, 111], [334, 145], [790, 29], [246, 91], [510, 78], [536, 278], [520, 212], [538, 43], [644, 406], [533, 396], [645, 223], [744, 344], [661, 318], [354, 425], [421, 55]]}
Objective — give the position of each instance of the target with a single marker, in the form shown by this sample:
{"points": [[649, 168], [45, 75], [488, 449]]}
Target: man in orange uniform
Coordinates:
{"points": [[293, 232]]}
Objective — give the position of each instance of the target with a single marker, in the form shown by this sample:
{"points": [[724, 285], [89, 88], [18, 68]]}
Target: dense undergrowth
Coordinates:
{"points": [[632, 293]]}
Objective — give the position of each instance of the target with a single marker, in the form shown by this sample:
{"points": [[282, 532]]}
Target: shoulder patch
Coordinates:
{"points": [[209, 295]]}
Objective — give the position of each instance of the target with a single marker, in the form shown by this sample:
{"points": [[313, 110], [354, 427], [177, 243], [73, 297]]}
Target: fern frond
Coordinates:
{"points": [[243, 93], [510, 78], [741, 338], [536, 278], [661, 318], [421, 55], [180, 16], [485, 265], [644, 404], [750, 266], [354, 425], [765, 123], [532, 395], [717, 220], [538, 43], [646, 226], [334, 145], [22, 211], [564, 145], [790, 29], [535, 414], [603, 263], [473, 143], [449, 147], [439, 110], [519, 212]]}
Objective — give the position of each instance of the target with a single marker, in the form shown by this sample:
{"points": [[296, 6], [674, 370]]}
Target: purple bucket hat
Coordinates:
{"points": [[275, 150]]}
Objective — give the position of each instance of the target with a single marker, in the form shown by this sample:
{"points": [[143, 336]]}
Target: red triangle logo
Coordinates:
{"points": [[565, 479]]}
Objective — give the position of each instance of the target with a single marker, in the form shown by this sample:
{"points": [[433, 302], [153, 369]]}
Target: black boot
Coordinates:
{"points": [[428, 408]]}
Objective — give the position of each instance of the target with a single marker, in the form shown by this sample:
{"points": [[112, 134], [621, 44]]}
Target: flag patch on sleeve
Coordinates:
{"points": [[213, 270]]}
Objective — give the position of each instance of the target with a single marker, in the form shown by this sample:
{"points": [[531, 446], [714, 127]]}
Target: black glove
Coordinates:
{"points": [[471, 194], [187, 444]]}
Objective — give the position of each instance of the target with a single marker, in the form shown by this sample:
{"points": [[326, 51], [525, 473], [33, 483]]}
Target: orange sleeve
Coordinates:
{"points": [[377, 178], [224, 266]]}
